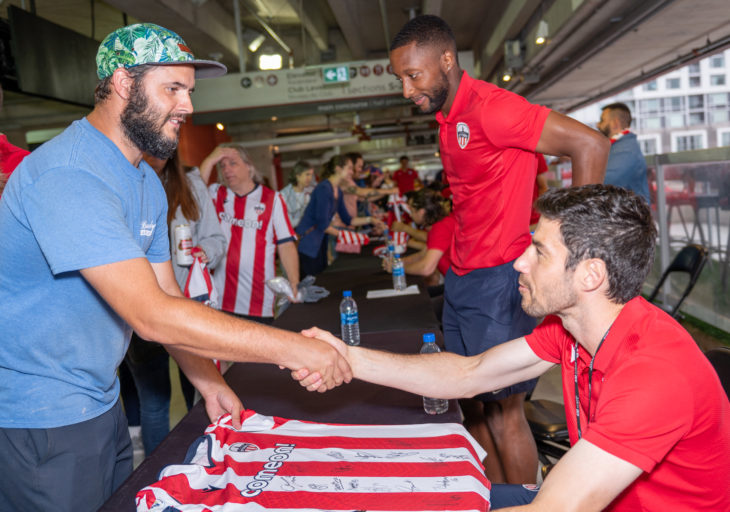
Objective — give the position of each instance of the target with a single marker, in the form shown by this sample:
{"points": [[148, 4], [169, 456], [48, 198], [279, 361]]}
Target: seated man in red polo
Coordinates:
{"points": [[647, 415]]}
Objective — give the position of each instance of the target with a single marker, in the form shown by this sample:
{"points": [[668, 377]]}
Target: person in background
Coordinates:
{"points": [[10, 155], [648, 418], [488, 138], [297, 193], [188, 203], [626, 166], [316, 224], [432, 261], [84, 221], [353, 194], [256, 224], [406, 178], [541, 186]]}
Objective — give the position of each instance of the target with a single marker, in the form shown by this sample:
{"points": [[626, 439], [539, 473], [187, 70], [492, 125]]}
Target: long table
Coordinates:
{"points": [[271, 391], [360, 274], [396, 324]]}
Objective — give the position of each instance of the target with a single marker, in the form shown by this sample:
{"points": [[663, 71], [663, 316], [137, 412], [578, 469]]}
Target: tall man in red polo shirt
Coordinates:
{"points": [[652, 431], [488, 138]]}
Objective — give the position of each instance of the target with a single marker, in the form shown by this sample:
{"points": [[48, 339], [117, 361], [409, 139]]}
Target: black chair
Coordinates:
{"points": [[720, 359], [690, 260], [547, 423]]}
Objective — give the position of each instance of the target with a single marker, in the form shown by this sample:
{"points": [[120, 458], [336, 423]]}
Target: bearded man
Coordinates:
{"points": [[86, 260]]}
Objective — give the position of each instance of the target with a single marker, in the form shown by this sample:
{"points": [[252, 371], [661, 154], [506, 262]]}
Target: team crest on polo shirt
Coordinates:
{"points": [[462, 134], [259, 208], [243, 447]]}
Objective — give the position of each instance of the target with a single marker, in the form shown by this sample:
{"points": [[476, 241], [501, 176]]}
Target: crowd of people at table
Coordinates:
{"points": [[88, 221]]}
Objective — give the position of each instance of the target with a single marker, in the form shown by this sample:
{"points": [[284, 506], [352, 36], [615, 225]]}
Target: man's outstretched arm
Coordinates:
{"points": [[443, 375], [131, 289]]}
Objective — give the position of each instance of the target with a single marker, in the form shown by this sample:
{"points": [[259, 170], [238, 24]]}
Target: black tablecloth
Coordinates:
{"points": [[376, 315], [270, 391]]}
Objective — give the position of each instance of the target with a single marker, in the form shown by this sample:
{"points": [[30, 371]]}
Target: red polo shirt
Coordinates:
{"points": [[656, 403], [440, 237], [10, 156], [405, 179], [487, 145]]}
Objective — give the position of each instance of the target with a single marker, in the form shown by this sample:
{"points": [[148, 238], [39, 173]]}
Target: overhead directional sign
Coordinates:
{"points": [[336, 75]]}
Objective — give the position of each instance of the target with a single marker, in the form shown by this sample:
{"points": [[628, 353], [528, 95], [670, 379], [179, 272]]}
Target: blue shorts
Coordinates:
{"points": [[511, 495], [483, 309]]}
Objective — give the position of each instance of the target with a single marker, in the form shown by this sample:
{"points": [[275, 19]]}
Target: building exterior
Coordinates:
{"points": [[686, 109]]}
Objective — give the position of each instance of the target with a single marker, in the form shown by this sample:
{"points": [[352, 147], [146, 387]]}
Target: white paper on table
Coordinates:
{"points": [[390, 292]]}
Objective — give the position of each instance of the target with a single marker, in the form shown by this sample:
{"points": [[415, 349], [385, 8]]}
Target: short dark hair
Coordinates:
{"points": [[430, 201], [353, 156], [606, 222], [622, 112], [104, 86], [426, 30], [299, 167]]}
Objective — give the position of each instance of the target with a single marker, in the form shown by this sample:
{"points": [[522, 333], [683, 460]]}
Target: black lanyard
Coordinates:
{"points": [[590, 381]]}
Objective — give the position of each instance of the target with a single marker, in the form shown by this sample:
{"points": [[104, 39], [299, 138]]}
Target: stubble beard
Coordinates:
{"points": [[143, 126], [438, 96], [556, 301]]}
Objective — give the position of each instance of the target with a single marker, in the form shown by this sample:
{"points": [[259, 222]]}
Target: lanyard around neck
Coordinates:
{"points": [[590, 381]]}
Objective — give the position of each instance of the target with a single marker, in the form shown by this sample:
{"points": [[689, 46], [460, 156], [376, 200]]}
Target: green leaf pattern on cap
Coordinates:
{"points": [[143, 43]]}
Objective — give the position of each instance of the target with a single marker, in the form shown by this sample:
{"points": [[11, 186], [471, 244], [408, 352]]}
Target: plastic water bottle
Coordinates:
{"points": [[432, 405], [349, 320], [391, 251], [399, 274]]}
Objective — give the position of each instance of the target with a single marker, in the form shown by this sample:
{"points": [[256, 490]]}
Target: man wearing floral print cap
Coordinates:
{"points": [[84, 223]]}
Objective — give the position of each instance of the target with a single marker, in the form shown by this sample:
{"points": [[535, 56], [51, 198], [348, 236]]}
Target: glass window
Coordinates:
{"points": [[725, 139], [694, 67], [718, 99], [675, 120], [648, 146], [651, 123], [694, 81], [650, 106], [717, 61], [650, 86], [719, 116], [672, 83], [696, 101], [689, 142], [717, 79], [674, 104], [696, 118]]}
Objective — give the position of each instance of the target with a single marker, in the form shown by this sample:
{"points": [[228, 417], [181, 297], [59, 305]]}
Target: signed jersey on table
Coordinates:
{"points": [[278, 464]]}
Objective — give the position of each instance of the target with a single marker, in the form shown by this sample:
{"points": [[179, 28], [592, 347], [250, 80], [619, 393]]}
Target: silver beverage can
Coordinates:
{"points": [[183, 245]]}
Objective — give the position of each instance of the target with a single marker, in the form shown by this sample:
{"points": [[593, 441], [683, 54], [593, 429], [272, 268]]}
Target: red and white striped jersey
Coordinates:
{"points": [[278, 464], [253, 224]]}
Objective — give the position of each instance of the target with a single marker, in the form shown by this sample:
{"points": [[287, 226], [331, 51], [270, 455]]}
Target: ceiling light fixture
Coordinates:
{"points": [[507, 75], [270, 61], [256, 43], [542, 32], [220, 126]]}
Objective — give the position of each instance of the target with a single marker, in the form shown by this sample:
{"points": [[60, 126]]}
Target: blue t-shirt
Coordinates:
{"points": [[76, 202]]}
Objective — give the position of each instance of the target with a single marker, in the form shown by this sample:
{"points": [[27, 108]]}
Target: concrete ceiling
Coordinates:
{"points": [[594, 47]]}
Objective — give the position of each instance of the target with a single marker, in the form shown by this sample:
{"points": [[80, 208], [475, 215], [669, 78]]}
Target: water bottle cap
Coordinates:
{"points": [[396, 256], [347, 293], [429, 337]]}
